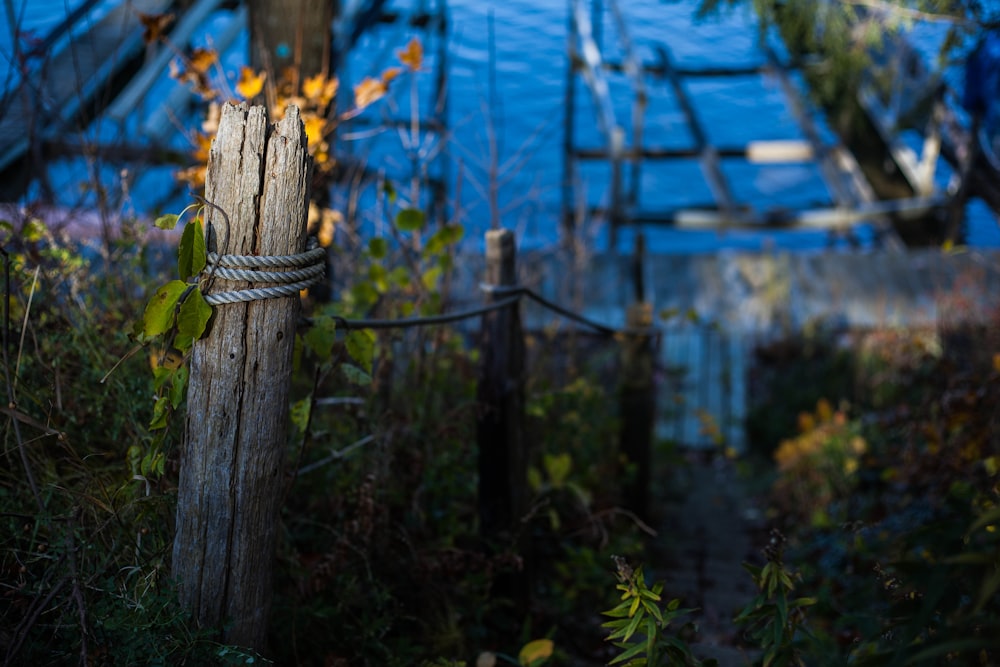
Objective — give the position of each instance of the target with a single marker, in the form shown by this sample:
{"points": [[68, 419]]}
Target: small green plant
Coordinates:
{"points": [[773, 620], [640, 620]]}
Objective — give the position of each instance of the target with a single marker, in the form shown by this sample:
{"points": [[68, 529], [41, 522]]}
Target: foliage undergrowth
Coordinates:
{"points": [[85, 540], [891, 503]]}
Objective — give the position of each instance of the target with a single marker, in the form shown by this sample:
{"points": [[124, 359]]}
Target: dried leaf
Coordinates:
{"points": [[389, 74], [202, 59], [155, 26], [194, 72], [413, 55], [368, 91], [251, 83]]}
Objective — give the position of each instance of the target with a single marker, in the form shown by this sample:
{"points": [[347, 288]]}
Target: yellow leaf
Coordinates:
{"points": [[996, 362], [535, 652], [315, 128], [413, 55], [329, 220], [250, 83], [319, 90], [824, 411], [368, 91], [165, 358]]}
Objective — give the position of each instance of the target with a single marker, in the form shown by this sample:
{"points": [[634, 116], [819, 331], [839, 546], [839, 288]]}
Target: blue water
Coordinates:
{"points": [[506, 112]]}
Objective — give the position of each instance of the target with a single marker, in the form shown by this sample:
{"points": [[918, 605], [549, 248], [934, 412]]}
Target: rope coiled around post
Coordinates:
{"points": [[289, 274]]}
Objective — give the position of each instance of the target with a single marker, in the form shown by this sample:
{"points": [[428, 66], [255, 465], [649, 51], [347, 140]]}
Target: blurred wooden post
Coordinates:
{"points": [[500, 425], [232, 460], [296, 35], [638, 394]]}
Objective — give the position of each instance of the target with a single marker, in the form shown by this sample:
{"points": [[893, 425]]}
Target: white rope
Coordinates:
{"points": [[295, 273]]}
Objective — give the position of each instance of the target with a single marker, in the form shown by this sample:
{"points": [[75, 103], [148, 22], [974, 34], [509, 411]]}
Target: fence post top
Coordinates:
{"points": [[499, 242]]}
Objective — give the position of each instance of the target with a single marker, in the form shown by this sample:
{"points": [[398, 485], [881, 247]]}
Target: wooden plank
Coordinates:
{"points": [[635, 72], [710, 216], [841, 172], [709, 71], [771, 152], [588, 57]]}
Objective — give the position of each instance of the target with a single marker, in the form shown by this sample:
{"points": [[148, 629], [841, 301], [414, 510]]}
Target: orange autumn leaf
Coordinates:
{"points": [[413, 55], [155, 26], [202, 59], [198, 81], [194, 176], [389, 74], [319, 89], [250, 83], [368, 91]]}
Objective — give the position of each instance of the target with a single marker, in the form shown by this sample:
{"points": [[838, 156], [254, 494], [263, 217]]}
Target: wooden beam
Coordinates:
{"points": [[840, 170], [706, 152]]}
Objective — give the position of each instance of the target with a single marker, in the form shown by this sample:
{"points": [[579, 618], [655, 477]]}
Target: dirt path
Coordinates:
{"points": [[707, 531]]}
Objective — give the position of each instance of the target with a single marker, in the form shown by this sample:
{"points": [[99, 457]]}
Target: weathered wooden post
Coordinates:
{"points": [[637, 394], [500, 425], [232, 459]]}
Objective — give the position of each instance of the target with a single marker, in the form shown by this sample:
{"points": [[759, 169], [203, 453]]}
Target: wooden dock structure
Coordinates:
{"points": [[919, 99], [852, 197]]}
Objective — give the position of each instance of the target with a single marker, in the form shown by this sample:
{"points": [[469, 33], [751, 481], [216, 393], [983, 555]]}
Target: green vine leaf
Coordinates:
{"points": [[160, 312], [299, 413], [161, 410], [320, 337], [431, 278], [191, 255], [447, 235], [361, 347], [167, 222], [355, 375], [410, 220], [378, 247], [178, 386], [192, 319]]}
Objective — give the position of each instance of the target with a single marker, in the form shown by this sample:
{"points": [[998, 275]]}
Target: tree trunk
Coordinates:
{"points": [[232, 459], [295, 34]]}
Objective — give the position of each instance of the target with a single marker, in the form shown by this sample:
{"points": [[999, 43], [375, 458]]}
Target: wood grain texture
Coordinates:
{"points": [[232, 460]]}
